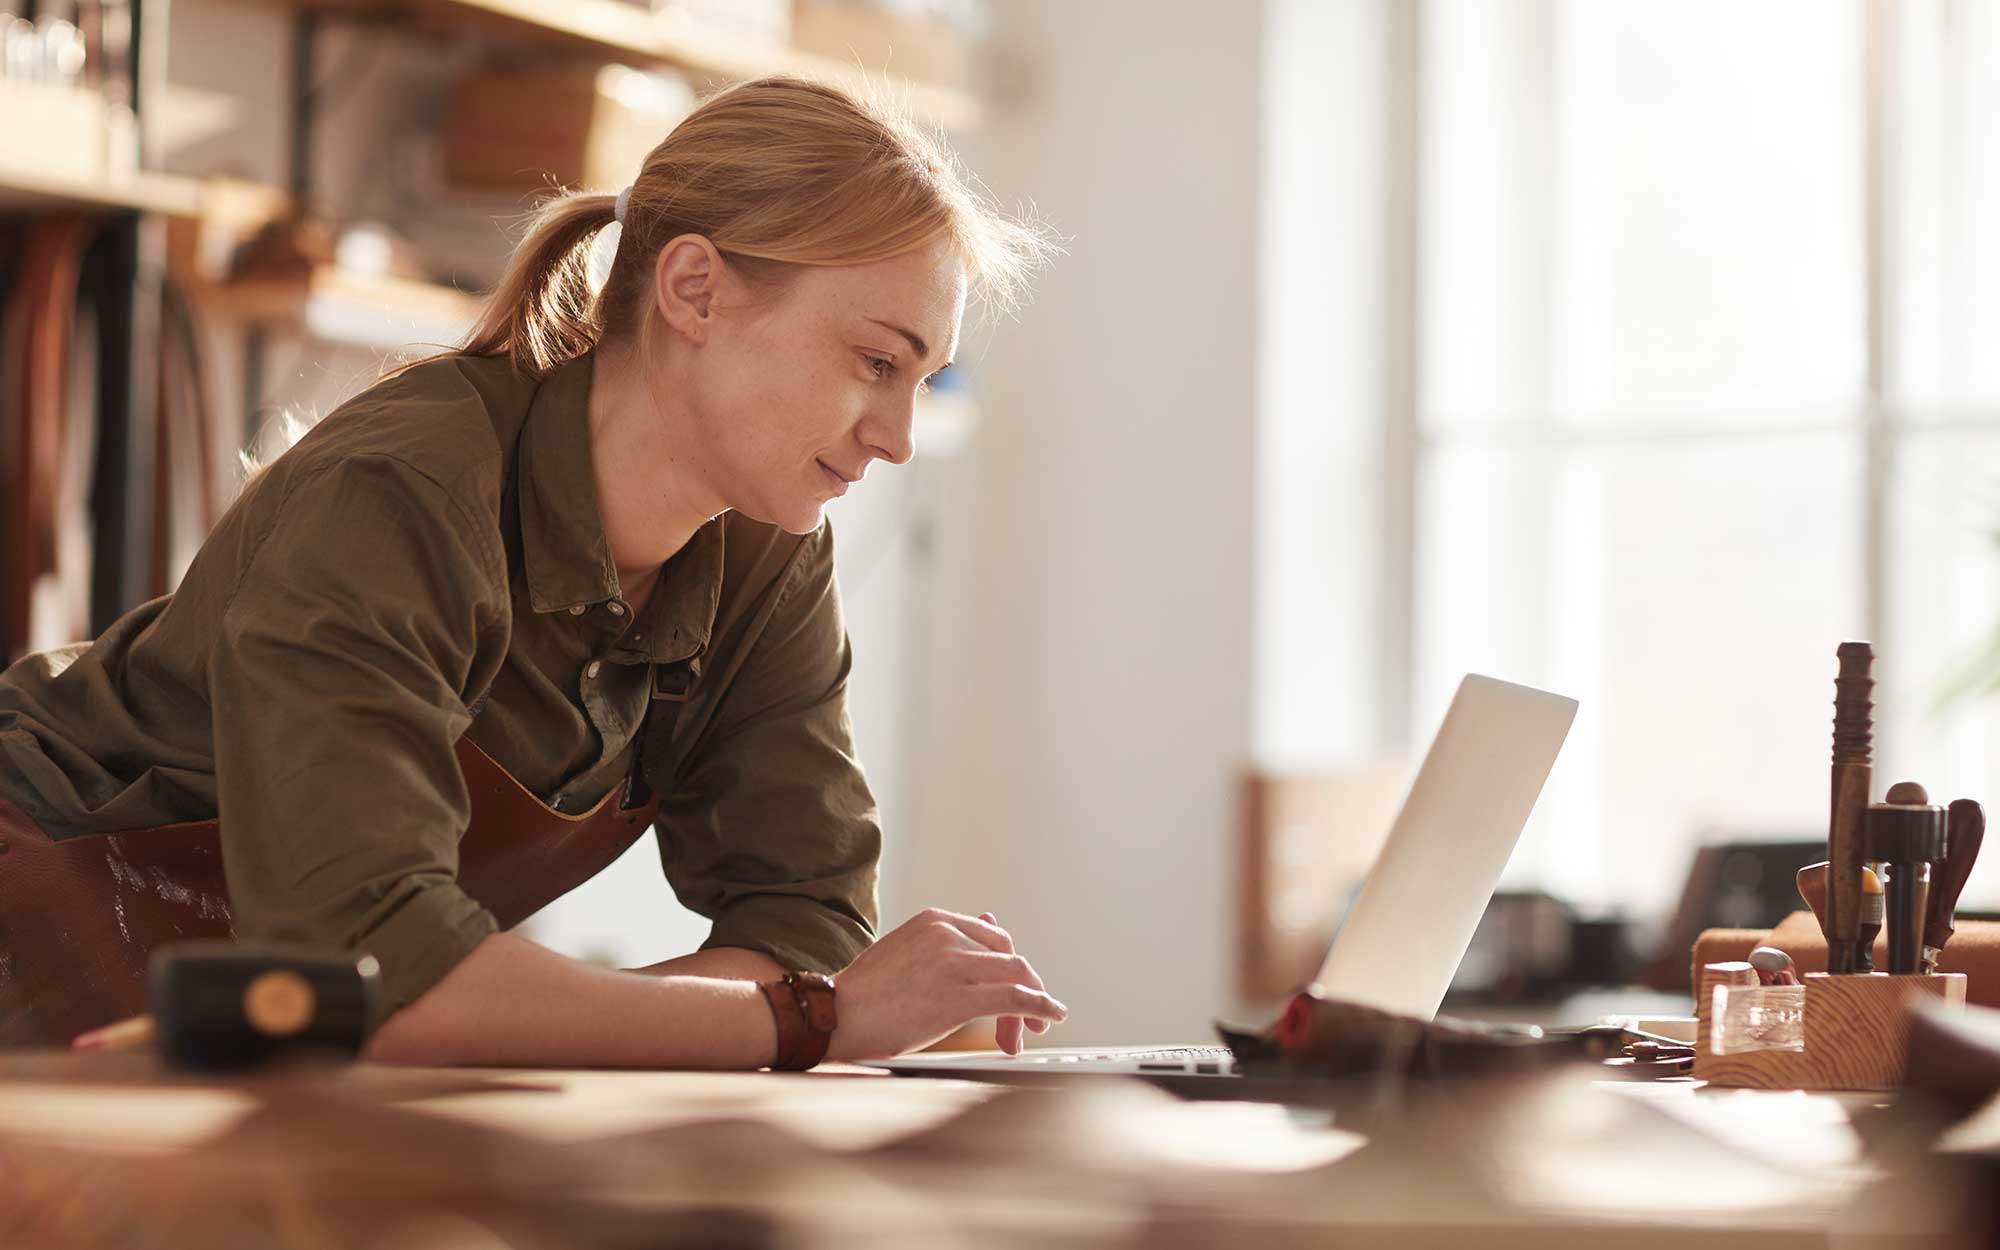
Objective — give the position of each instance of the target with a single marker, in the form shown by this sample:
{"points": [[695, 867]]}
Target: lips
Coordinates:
{"points": [[844, 480]]}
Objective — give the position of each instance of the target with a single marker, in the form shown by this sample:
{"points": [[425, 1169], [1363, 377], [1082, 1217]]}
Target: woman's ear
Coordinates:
{"points": [[685, 278]]}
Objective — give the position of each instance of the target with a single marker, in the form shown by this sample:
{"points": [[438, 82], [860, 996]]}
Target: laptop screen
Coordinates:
{"points": [[1408, 929]]}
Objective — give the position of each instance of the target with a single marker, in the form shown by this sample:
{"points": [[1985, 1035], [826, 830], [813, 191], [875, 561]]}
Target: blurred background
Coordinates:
{"points": [[1641, 351]]}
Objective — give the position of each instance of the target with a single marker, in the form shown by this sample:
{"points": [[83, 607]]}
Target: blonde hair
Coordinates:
{"points": [[776, 173]]}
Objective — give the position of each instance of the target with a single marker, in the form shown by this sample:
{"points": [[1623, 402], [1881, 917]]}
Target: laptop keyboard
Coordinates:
{"points": [[1203, 1060]]}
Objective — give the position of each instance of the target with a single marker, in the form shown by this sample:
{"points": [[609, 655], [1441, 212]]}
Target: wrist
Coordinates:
{"points": [[803, 1019]]}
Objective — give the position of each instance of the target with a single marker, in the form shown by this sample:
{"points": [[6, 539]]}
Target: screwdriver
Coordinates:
{"points": [[1910, 836], [1965, 830]]}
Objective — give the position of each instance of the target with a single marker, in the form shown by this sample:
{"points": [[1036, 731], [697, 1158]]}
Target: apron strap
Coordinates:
{"points": [[652, 756]]}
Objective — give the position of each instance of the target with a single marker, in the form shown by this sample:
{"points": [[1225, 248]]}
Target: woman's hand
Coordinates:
{"points": [[935, 972]]}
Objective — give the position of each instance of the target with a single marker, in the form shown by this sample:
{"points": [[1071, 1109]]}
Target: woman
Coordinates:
{"points": [[453, 652]]}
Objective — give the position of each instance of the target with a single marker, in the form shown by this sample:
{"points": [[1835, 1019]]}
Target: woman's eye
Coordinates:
{"points": [[881, 367]]}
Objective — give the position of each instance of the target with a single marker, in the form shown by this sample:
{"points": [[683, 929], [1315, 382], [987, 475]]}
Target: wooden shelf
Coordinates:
{"points": [[55, 147], [22, 187], [627, 32], [339, 307]]}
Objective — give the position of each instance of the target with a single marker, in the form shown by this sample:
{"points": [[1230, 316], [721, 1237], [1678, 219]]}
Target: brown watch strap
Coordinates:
{"points": [[803, 1011]]}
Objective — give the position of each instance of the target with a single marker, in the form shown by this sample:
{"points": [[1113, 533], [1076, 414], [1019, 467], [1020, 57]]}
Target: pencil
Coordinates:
{"points": [[135, 1033]]}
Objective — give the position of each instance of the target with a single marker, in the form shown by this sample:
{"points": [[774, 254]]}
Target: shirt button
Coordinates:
{"points": [[577, 610], [617, 608], [591, 671]]}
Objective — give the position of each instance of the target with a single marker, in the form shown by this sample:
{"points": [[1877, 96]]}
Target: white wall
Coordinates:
{"points": [[1089, 698], [1329, 350]]}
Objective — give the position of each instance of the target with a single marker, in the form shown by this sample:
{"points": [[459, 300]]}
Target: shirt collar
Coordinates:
{"points": [[564, 552], [563, 548], [680, 617]]}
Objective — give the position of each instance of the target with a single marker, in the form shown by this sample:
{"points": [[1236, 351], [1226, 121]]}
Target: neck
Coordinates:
{"points": [[651, 491]]}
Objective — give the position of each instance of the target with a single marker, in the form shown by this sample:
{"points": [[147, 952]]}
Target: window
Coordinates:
{"points": [[1707, 337]]}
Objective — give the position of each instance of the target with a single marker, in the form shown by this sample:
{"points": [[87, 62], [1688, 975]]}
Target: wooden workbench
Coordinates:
{"points": [[108, 1150]]}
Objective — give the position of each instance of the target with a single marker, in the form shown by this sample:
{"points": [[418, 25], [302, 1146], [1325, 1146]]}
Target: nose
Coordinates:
{"points": [[891, 434]]}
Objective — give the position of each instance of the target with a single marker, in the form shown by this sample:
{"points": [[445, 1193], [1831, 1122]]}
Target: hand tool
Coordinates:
{"points": [[1902, 792], [222, 1005], [1853, 735], [1964, 831], [1774, 967], [1812, 888], [1910, 837], [1871, 918]]}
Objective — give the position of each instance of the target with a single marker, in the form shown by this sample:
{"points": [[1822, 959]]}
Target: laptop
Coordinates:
{"points": [[1410, 925]]}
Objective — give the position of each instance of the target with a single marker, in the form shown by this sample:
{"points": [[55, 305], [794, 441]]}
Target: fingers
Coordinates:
{"points": [[1006, 939], [1007, 1034], [993, 966], [982, 930], [1008, 1029], [1018, 1000], [989, 960], [979, 930], [1034, 979]]}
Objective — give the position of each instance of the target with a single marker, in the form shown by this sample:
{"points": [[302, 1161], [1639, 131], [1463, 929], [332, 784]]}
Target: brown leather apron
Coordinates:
{"points": [[79, 918]]}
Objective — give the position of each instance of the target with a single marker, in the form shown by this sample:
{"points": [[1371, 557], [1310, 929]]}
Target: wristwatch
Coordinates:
{"points": [[802, 1008]]}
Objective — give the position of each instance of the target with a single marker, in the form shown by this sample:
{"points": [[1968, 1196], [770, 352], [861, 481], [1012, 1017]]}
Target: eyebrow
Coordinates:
{"points": [[916, 344]]}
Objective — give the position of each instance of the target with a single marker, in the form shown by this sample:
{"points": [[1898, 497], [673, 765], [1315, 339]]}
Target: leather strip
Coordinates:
{"points": [[814, 992], [790, 1022], [803, 1012]]}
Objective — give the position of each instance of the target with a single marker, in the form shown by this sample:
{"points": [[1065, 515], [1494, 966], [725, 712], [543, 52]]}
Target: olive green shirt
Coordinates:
{"points": [[403, 576]]}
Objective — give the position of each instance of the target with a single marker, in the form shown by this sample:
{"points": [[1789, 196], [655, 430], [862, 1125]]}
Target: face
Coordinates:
{"points": [[791, 395]]}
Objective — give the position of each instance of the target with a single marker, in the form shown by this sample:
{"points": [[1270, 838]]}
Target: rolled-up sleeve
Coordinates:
{"points": [[770, 829], [337, 680]]}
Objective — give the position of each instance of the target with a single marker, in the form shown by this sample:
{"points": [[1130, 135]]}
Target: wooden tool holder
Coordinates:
{"points": [[1853, 1035]]}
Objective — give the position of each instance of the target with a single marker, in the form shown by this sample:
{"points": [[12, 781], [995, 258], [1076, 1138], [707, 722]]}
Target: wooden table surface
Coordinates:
{"points": [[110, 1150]]}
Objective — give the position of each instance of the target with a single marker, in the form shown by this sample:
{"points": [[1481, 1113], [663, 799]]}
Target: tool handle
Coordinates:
{"points": [[1965, 830], [1846, 846], [1854, 704], [1853, 748], [1812, 888]]}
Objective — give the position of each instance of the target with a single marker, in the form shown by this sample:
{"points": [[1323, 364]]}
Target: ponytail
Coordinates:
{"points": [[543, 312], [778, 173]]}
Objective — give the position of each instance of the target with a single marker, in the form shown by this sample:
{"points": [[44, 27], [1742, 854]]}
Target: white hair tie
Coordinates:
{"points": [[624, 200]]}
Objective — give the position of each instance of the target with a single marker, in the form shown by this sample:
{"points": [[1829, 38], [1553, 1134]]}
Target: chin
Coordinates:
{"points": [[797, 518], [804, 523]]}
